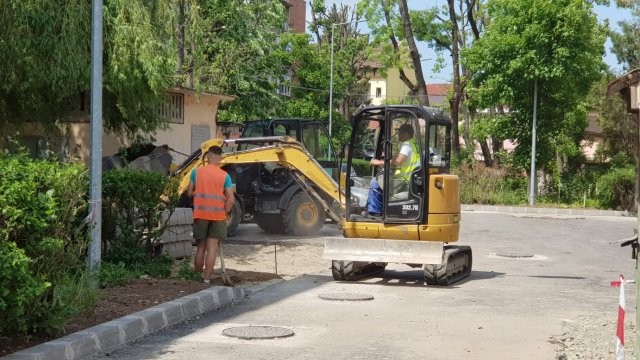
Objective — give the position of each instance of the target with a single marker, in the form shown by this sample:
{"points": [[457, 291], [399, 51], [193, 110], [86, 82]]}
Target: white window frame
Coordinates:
{"points": [[174, 109]]}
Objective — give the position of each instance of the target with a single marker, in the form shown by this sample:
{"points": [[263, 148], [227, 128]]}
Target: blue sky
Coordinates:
{"points": [[612, 13]]}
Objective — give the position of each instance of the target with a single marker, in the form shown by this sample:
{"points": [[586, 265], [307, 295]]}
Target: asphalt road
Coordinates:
{"points": [[508, 309]]}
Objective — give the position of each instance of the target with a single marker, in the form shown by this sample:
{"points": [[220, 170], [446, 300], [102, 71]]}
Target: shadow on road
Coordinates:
{"points": [[557, 277], [415, 278]]}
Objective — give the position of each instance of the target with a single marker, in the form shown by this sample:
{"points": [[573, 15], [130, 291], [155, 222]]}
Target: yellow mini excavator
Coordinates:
{"points": [[418, 215]]}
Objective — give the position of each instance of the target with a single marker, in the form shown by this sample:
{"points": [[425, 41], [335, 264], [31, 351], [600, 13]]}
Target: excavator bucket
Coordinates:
{"points": [[383, 251]]}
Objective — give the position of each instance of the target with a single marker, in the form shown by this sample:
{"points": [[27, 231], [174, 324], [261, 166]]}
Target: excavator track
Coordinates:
{"points": [[456, 265], [354, 270]]}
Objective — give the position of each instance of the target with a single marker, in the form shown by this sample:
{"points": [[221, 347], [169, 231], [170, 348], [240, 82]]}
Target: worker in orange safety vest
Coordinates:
{"points": [[213, 198]]}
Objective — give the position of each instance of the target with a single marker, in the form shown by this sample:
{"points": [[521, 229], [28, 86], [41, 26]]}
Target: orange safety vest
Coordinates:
{"points": [[208, 197]]}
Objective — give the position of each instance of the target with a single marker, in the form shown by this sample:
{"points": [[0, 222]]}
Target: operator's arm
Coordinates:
{"points": [[395, 162], [230, 199], [406, 151]]}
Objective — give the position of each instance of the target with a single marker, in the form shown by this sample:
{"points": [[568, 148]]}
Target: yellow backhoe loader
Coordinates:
{"points": [[420, 207]]}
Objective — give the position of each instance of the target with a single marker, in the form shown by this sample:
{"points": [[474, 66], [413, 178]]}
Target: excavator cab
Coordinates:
{"points": [[404, 192]]}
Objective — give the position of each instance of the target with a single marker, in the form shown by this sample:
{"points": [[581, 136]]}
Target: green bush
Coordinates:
{"points": [[361, 167], [116, 274], [43, 241], [132, 210], [187, 273], [484, 185], [19, 288], [615, 189], [159, 266]]}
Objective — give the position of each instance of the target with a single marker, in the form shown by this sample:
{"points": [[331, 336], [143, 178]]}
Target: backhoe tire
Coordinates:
{"points": [[303, 216], [270, 223], [233, 219]]}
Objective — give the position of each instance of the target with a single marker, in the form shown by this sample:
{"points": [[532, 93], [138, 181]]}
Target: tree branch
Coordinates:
{"points": [[396, 49], [472, 21]]}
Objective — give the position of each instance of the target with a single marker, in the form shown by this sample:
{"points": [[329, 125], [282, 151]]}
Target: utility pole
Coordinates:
{"points": [[95, 202], [532, 175]]}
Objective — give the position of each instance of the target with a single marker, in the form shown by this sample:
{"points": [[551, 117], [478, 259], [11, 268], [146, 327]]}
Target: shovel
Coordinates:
{"points": [[223, 270]]}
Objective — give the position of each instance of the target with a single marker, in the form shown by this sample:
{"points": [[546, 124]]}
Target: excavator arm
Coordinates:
{"points": [[287, 152]]}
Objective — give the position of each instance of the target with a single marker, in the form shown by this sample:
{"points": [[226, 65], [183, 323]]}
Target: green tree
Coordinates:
{"points": [[234, 48], [626, 43], [392, 29], [45, 66], [311, 55], [450, 29], [557, 43], [619, 128]]}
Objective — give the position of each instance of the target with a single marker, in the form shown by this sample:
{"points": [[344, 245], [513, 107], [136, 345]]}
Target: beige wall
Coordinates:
{"points": [[396, 89], [78, 135], [378, 83], [74, 139], [393, 89], [590, 146], [200, 110]]}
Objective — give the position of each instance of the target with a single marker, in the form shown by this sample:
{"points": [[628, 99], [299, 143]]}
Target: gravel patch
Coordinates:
{"points": [[594, 337]]}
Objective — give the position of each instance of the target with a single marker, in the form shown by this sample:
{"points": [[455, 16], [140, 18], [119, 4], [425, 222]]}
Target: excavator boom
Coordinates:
{"points": [[288, 153]]}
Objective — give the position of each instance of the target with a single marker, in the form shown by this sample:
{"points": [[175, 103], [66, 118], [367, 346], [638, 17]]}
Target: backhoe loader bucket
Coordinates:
{"points": [[383, 251]]}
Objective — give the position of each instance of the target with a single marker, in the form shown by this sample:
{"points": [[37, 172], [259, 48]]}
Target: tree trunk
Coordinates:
{"points": [[486, 153], [467, 122], [497, 144], [420, 89]]}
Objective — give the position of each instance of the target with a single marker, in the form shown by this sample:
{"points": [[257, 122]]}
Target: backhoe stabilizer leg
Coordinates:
{"points": [[456, 265]]}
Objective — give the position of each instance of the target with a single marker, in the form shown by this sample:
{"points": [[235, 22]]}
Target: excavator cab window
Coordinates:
{"points": [[316, 140], [403, 195], [366, 143], [439, 145], [390, 193]]}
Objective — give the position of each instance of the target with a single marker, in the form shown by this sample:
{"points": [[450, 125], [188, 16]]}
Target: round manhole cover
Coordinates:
{"points": [[346, 297], [257, 332], [514, 255]]}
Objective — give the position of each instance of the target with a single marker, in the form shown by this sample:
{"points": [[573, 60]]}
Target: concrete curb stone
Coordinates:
{"points": [[544, 210], [110, 335]]}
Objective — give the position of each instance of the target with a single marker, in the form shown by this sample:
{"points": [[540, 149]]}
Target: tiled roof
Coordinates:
{"points": [[438, 89]]}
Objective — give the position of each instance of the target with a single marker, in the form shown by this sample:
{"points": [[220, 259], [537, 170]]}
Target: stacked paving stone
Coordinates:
{"points": [[176, 239]]}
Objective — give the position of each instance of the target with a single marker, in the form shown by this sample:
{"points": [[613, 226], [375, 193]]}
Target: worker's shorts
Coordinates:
{"points": [[209, 229]]}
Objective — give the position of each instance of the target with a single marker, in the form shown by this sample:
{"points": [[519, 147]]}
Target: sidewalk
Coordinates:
{"points": [[544, 210], [113, 334]]}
